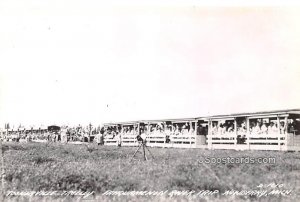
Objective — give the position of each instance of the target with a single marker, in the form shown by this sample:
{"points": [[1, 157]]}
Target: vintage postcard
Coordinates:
{"points": [[149, 100]]}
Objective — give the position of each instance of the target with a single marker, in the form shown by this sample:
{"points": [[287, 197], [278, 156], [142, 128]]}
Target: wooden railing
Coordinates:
{"points": [[110, 140], [217, 141], [267, 141], [156, 140], [183, 139], [227, 138], [252, 141], [129, 140], [224, 141]]}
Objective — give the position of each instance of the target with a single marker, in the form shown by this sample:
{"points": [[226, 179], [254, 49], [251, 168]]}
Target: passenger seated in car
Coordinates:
{"points": [[282, 127], [256, 129], [221, 129], [184, 130], [241, 129], [214, 129], [176, 131], [192, 130], [264, 129], [272, 129], [230, 128]]}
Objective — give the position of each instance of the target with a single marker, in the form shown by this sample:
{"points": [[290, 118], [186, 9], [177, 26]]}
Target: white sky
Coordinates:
{"points": [[82, 61]]}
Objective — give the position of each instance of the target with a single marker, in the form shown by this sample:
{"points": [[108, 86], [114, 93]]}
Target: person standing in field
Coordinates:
{"points": [[98, 138], [64, 132], [118, 137]]}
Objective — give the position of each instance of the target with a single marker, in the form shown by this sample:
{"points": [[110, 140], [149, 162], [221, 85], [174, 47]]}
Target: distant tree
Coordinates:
{"points": [[7, 126]]}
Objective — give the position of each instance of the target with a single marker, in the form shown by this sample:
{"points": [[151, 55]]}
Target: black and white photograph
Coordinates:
{"points": [[149, 100]]}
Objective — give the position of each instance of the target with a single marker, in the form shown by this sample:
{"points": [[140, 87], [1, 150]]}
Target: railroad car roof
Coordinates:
{"points": [[265, 113], [178, 120]]}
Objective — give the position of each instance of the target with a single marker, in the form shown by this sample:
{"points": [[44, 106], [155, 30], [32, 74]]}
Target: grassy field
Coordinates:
{"points": [[64, 167]]}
